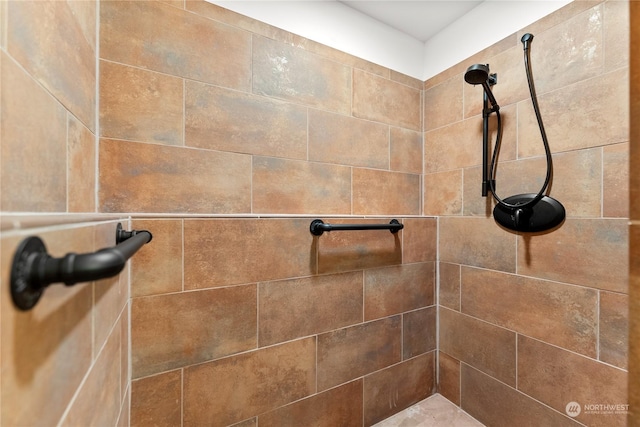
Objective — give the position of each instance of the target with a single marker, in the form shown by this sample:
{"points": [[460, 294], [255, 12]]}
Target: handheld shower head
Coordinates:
{"points": [[478, 74]]}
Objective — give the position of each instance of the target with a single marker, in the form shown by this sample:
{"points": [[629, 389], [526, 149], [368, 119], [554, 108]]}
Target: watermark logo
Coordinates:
{"points": [[573, 409]]}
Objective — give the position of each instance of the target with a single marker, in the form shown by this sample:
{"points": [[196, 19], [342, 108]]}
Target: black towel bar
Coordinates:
{"points": [[318, 227], [33, 269]]}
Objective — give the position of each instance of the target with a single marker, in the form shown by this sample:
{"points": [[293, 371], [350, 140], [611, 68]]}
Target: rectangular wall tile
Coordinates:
{"points": [[564, 315], [49, 40], [438, 113], [176, 330], [419, 239], [341, 406], [221, 119], [614, 328], [382, 100], [163, 38], [157, 268], [393, 290], [357, 250], [345, 140], [377, 192], [157, 400], [34, 150], [137, 177], [81, 161], [391, 390], [349, 353], [405, 150], [496, 404], [419, 332], [542, 367], [299, 307], [301, 76], [218, 252], [449, 377], [484, 346], [443, 193], [269, 378], [449, 286], [140, 105], [615, 185], [298, 187], [585, 252], [438, 155], [616, 35], [477, 242]]}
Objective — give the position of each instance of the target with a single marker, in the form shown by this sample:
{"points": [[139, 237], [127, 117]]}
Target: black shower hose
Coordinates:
{"points": [[496, 149]]}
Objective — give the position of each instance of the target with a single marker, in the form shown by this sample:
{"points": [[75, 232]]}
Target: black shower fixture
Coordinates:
{"points": [[522, 212]]}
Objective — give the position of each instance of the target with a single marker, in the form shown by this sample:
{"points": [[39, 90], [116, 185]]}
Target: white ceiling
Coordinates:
{"points": [[420, 19]]}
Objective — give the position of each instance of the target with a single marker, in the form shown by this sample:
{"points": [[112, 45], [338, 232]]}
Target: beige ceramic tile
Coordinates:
{"points": [[616, 34], [176, 330], [302, 76], [295, 186], [443, 193], [272, 377], [217, 252], [484, 346], [339, 139], [467, 137], [419, 239], [390, 390], [34, 152], [405, 150], [614, 329], [137, 177], [381, 100], [81, 146], [443, 103], [157, 400], [349, 353], [377, 192], [295, 308], [615, 183], [449, 285], [566, 316], [140, 105], [163, 38], [339, 406], [434, 411], [227, 120]]}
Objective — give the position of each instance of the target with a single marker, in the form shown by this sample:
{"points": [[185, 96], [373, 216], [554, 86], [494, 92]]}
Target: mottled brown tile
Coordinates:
{"points": [[484, 346], [405, 150], [341, 406], [357, 250], [101, 385], [48, 40], [271, 378], [616, 34], [396, 289], [564, 315], [157, 266], [443, 193], [163, 38], [377, 192], [391, 390], [542, 367], [176, 330], [299, 307], [137, 177], [300, 76], [477, 242], [221, 119], [614, 328], [419, 239], [449, 286], [615, 185], [140, 105], [382, 100], [449, 377], [34, 151], [340, 139], [600, 107], [81, 152], [419, 332], [349, 353], [443, 103], [45, 352], [467, 137], [217, 252], [157, 400], [587, 252], [294, 186], [496, 404]]}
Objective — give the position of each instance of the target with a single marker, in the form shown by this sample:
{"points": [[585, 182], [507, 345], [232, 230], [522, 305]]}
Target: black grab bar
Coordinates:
{"points": [[33, 269], [318, 227]]}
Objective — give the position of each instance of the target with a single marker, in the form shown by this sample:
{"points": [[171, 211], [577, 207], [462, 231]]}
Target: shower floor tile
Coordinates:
{"points": [[435, 411]]}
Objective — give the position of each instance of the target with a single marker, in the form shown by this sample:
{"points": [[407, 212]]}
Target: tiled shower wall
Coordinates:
{"points": [[239, 135], [528, 324]]}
